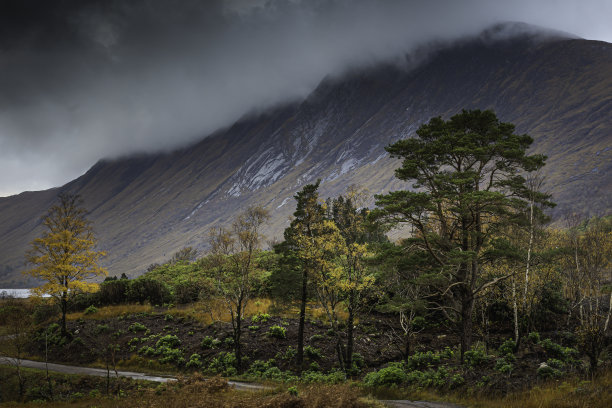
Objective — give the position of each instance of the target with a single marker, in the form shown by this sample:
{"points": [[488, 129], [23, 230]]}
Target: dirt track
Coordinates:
{"points": [[67, 369]]}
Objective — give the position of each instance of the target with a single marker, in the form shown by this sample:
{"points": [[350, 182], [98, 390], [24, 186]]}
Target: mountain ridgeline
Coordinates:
{"points": [[144, 208]]}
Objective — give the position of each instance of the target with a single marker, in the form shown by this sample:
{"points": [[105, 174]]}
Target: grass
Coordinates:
{"points": [[565, 393], [197, 392], [109, 312]]}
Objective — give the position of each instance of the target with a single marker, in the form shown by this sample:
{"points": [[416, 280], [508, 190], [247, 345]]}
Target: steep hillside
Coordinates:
{"points": [[144, 208]]}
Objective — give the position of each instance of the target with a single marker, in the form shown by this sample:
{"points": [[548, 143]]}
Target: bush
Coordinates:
{"points": [[420, 360], [334, 377], [476, 357], [145, 289], [194, 361], [507, 347], [503, 366], [91, 310], [45, 312], [170, 355], [170, 341], [312, 353], [260, 318], [113, 292], [555, 350], [209, 343], [386, 377], [546, 371], [223, 363], [456, 380], [278, 332], [136, 327], [534, 337]]}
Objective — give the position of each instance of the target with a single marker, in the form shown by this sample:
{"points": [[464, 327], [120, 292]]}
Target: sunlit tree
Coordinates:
{"points": [[234, 267], [65, 256]]}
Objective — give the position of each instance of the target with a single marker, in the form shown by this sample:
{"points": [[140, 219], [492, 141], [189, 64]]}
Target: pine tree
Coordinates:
{"points": [[468, 186], [65, 256]]}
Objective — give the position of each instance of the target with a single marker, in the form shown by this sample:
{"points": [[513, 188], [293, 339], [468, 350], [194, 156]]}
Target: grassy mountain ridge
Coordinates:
{"points": [[146, 207]]}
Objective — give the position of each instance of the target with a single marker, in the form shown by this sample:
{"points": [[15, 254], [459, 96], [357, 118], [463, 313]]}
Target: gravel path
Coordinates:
{"points": [[100, 372]]}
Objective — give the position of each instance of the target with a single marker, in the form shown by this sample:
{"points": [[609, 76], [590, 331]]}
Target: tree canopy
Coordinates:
{"points": [[469, 183], [64, 257]]}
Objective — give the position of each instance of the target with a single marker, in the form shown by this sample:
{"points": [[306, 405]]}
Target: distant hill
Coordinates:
{"points": [[559, 90]]}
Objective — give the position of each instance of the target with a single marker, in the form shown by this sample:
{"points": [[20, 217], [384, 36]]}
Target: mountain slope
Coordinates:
{"points": [[144, 208]]}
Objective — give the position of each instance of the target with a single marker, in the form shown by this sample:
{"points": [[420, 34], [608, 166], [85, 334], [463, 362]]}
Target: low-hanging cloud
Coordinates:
{"points": [[80, 81]]}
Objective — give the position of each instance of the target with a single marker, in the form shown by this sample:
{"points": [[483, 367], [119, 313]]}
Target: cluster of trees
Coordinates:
{"points": [[476, 249]]}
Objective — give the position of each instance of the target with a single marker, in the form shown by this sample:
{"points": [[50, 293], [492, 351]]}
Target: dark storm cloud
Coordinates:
{"points": [[81, 80]]}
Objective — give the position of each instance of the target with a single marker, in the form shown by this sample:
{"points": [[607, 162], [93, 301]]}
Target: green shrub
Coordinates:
{"points": [[503, 366], [555, 350], [210, 343], [253, 328], [293, 391], [434, 378], [556, 364], [259, 367], [534, 337], [312, 353], [420, 360], [147, 351], [260, 318], [456, 380], [194, 361], [316, 337], [358, 361], [223, 363], [278, 332], [91, 310], [476, 356], [386, 377], [289, 354], [136, 327], [169, 340], [101, 328], [170, 355], [546, 371], [507, 347], [333, 377], [145, 289]]}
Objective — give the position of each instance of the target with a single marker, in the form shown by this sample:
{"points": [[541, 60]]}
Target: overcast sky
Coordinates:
{"points": [[85, 80]]}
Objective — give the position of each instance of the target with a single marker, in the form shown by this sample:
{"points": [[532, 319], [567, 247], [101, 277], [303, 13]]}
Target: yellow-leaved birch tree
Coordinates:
{"points": [[64, 257]]}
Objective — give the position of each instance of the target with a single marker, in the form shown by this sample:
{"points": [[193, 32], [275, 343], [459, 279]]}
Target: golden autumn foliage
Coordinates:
{"points": [[64, 257]]}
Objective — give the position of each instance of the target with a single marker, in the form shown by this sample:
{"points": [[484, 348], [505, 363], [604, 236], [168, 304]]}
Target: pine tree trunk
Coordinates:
{"points": [[466, 325], [300, 347]]}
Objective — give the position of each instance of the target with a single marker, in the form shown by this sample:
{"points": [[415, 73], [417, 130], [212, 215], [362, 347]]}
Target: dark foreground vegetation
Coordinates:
{"points": [[479, 299]]}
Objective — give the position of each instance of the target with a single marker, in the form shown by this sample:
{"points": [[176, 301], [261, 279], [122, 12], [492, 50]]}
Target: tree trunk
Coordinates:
{"points": [[349, 332], [64, 306], [608, 316], [300, 347], [237, 347], [466, 325], [515, 309], [407, 347]]}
